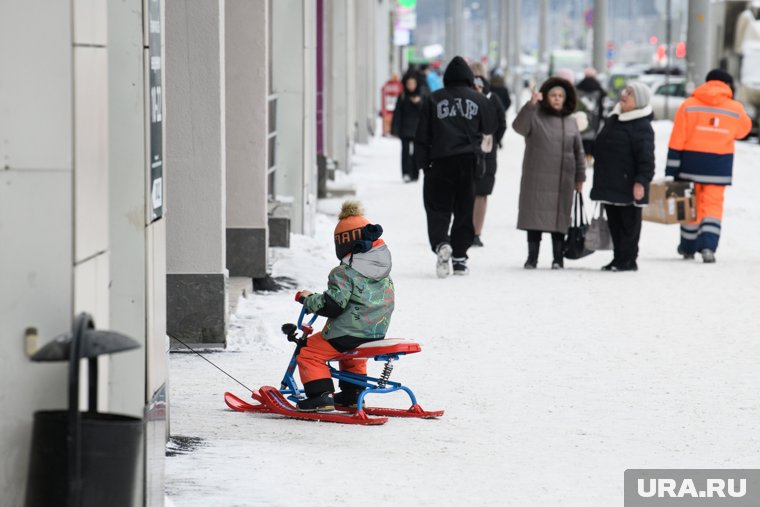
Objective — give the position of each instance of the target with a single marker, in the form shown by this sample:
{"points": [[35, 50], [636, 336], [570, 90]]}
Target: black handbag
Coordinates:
{"points": [[575, 241]]}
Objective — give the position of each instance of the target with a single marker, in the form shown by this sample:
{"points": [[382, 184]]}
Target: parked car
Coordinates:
{"points": [[668, 97]]}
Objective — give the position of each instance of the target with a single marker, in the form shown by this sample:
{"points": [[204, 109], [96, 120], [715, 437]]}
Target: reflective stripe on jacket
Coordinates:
{"points": [[701, 146]]}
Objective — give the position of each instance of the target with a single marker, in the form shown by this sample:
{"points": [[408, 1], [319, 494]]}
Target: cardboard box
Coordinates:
{"points": [[670, 202]]}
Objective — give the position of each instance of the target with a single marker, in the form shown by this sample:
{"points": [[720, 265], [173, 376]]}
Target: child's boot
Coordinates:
{"points": [[348, 397], [320, 403]]}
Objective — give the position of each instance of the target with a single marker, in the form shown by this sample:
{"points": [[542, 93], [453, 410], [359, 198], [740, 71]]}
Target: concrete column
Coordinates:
{"points": [[456, 13], [36, 219], [247, 73], [543, 33], [382, 44], [504, 34], [698, 41], [351, 77], [362, 65], [600, 35], [196, 171], [91, 256], [309, 161], [294, 82], [127, 198], [515, 50], [336, 82], [137, 381]]}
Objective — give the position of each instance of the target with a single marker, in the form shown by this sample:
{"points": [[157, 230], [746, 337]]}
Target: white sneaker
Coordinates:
{"points": [[442, 265]]}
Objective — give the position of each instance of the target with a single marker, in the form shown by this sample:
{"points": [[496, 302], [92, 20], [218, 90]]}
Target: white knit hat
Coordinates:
{"points": [[641, 94]]}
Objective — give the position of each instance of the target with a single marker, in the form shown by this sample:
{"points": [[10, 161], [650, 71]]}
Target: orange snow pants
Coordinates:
{"points": [[704, 232], [312, 361]]}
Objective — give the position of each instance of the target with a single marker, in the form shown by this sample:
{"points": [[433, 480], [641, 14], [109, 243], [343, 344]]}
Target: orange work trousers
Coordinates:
{"points": [[312, 361], [704, 232]]}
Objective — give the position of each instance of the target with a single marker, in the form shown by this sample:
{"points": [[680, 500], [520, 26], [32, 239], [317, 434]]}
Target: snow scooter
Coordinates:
{"points": [[277, 401]]}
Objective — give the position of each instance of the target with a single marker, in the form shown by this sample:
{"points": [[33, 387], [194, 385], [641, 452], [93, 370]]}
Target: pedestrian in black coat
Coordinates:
{"points": [[623, 168], [484, 185], [591, 100], [452, 124], [406, 116], [499, 87]]}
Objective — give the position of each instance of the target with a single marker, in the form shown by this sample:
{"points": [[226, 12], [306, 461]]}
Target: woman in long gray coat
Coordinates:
{"points": [[553, 166]]}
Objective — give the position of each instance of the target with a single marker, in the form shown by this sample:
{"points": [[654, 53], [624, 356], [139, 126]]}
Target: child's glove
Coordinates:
{"points": [[301, 295]]}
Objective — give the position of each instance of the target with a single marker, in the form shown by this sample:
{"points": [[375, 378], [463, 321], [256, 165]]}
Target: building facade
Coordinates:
{"points": [[153, 151]]}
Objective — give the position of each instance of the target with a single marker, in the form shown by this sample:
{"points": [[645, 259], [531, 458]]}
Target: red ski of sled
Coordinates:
{"points": [[413, 411], [277, 404], [239, 405]]}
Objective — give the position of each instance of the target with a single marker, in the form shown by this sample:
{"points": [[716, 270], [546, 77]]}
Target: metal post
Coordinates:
{"points": [[455, 12], [668, 49], [515, 51], [600, 35], [698, 48], [489, 32], [543, 12], [504, 32]]}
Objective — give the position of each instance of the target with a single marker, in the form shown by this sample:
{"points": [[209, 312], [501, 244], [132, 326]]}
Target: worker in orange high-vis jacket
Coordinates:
{"points": [[701, 149]]}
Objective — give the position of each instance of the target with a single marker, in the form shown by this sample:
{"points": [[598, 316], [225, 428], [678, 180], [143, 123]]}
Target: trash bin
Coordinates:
{"points": [[83, 458]]}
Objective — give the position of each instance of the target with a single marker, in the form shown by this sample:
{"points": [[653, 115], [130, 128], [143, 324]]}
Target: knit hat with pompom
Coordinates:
{"points": [[354, 233]]}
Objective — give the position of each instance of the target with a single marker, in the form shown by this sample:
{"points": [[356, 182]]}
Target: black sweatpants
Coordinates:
{"points": [[625, 229], [408, 166], [449, 189]]}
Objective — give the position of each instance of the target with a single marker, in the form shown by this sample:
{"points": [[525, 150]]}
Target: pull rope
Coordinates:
{"points": [[209, 362]]}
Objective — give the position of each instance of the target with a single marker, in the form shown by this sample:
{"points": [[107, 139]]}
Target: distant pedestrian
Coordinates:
{"points": [[420, 74], [432, 78], [623, 168], [499, 87], [701, 150], [590, 100], [406, 116], [484, 184], [453, 122], [553, 166]]}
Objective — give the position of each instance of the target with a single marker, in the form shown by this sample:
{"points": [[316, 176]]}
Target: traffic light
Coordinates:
{"points": [[681, 49]]}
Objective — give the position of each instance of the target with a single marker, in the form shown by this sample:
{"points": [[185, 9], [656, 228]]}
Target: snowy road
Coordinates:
{"points": [[553, 382]]}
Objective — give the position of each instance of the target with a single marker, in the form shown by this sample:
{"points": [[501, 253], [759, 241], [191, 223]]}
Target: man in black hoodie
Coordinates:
{"points": [[452, 124]]}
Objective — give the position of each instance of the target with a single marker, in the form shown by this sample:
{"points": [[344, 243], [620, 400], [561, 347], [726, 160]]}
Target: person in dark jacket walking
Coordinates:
{"points": [[623, 168], [499, 87], [591, 100], [452, 124], [484, 185], [404, 125], [553, 166]]}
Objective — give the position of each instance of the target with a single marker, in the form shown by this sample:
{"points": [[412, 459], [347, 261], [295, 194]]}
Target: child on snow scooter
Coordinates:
{"points": [[358, 304]]}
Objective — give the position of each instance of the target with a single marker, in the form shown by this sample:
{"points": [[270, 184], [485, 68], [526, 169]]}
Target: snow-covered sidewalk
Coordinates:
{"points": [[553, 382]]}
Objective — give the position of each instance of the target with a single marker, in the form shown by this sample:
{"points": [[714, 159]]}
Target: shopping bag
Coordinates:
{"points": [[575, 240], [598, 234]]}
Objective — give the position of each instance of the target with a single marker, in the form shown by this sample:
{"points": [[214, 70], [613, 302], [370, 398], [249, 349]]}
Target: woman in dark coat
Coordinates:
{"points": [[591, 100], [484, 185], [404, 125], [553, 166], [623, 168]]}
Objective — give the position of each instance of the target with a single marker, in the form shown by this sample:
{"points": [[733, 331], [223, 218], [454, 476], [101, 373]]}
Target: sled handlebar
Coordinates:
{"points": [[306, 327]]}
